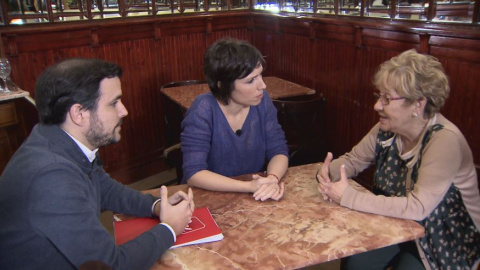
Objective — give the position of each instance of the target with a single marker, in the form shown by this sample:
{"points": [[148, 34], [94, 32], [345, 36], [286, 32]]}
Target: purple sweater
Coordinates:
{"points": [[208, 142]]}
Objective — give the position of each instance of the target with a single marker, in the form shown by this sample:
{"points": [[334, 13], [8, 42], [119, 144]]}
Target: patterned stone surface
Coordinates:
{"points": [[276, 88], [13, 95], [299, 230]]}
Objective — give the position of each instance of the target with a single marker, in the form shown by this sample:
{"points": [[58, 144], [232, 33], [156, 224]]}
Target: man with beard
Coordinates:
{"points": [[54, 187]]}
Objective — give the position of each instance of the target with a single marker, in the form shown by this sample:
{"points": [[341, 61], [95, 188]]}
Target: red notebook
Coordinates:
{"points": [[202, 229]]}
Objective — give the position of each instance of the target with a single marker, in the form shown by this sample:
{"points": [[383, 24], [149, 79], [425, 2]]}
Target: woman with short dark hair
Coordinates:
{"points": [[234, 129]]}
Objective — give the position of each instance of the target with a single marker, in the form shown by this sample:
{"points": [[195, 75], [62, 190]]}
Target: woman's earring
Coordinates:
{"points": [[414, 114]]}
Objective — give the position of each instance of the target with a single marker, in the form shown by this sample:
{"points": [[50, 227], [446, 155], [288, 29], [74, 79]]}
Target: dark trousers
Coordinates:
{"points": [[401, 256]]}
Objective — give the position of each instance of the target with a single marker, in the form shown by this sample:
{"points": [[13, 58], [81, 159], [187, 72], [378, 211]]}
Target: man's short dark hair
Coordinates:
{"points": [[226, 61], [69, 82]]}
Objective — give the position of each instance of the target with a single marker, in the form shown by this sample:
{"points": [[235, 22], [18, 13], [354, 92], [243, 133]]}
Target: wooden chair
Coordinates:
{"points": [[173, 118], [303, 121], [174, 159], [174, 112]]}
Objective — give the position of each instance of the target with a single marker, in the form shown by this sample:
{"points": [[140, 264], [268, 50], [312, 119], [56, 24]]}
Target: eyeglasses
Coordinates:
{"points": [[385, 100]]}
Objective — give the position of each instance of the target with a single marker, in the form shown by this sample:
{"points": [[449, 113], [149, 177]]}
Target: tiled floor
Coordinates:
{"points": [[166, 178]]}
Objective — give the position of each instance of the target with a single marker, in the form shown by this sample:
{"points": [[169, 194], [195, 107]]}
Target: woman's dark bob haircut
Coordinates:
{"points": [[227, 60]]}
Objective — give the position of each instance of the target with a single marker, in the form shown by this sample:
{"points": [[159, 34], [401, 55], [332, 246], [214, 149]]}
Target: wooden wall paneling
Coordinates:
{"points": [[139, 146], [452, 53], [268, 39], [336, 57], [181, 57], [266, 23], [338, 32], [144, 143], [242, 34], [461, 59], [142, 97], [333, 70], [451, 42], [476, 15], [160, 126], [362, 115], [114, 33], [462, 105], [26, 67], [371, 58], [296, 60], [333, 79], [270, 45], [230, 22], [294, 26], [41, 41], [366, 116], [139, 74], [455, 48], [350, 108], [391, 40], [293, 46], [184, 26]]}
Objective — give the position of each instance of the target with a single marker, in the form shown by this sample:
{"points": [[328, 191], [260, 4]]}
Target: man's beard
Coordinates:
{"points": [[96, 134]]}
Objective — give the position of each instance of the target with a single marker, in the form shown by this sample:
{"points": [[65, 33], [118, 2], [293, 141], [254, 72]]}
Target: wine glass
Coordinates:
{"points": [[5, 70]]}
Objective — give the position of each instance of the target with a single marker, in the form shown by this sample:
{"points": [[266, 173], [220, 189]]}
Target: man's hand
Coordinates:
{"points": [[177, 210], [182, 196]]}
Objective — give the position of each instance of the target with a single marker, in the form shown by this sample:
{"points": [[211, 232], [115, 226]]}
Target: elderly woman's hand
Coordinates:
{"points": [[323, 175], [334, 191]]}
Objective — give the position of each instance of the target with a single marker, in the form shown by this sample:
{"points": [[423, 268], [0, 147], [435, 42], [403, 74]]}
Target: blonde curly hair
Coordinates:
{"points": [[415, 76]]}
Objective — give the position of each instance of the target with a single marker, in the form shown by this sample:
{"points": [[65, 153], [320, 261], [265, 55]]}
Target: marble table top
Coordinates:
{"points": [[299, 230], [17, 93], [13, 95], [276, 88]]}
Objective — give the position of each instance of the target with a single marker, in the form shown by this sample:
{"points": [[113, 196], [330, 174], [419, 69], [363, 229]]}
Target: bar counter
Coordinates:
{"points": [[299, 230]]}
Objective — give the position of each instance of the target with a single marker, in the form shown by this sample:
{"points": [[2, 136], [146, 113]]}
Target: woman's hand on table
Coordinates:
{"points": [[267, 188], [332, 191], [323, 175], [176, 210], [335, 190]]}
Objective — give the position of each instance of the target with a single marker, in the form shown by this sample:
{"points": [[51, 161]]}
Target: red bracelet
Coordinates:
{"points": [[274, 176]]}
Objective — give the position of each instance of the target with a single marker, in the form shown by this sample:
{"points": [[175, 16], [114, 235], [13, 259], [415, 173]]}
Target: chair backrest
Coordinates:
{"points": [[173, 119], [303, 121], [174, 113], [174, 159]]}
